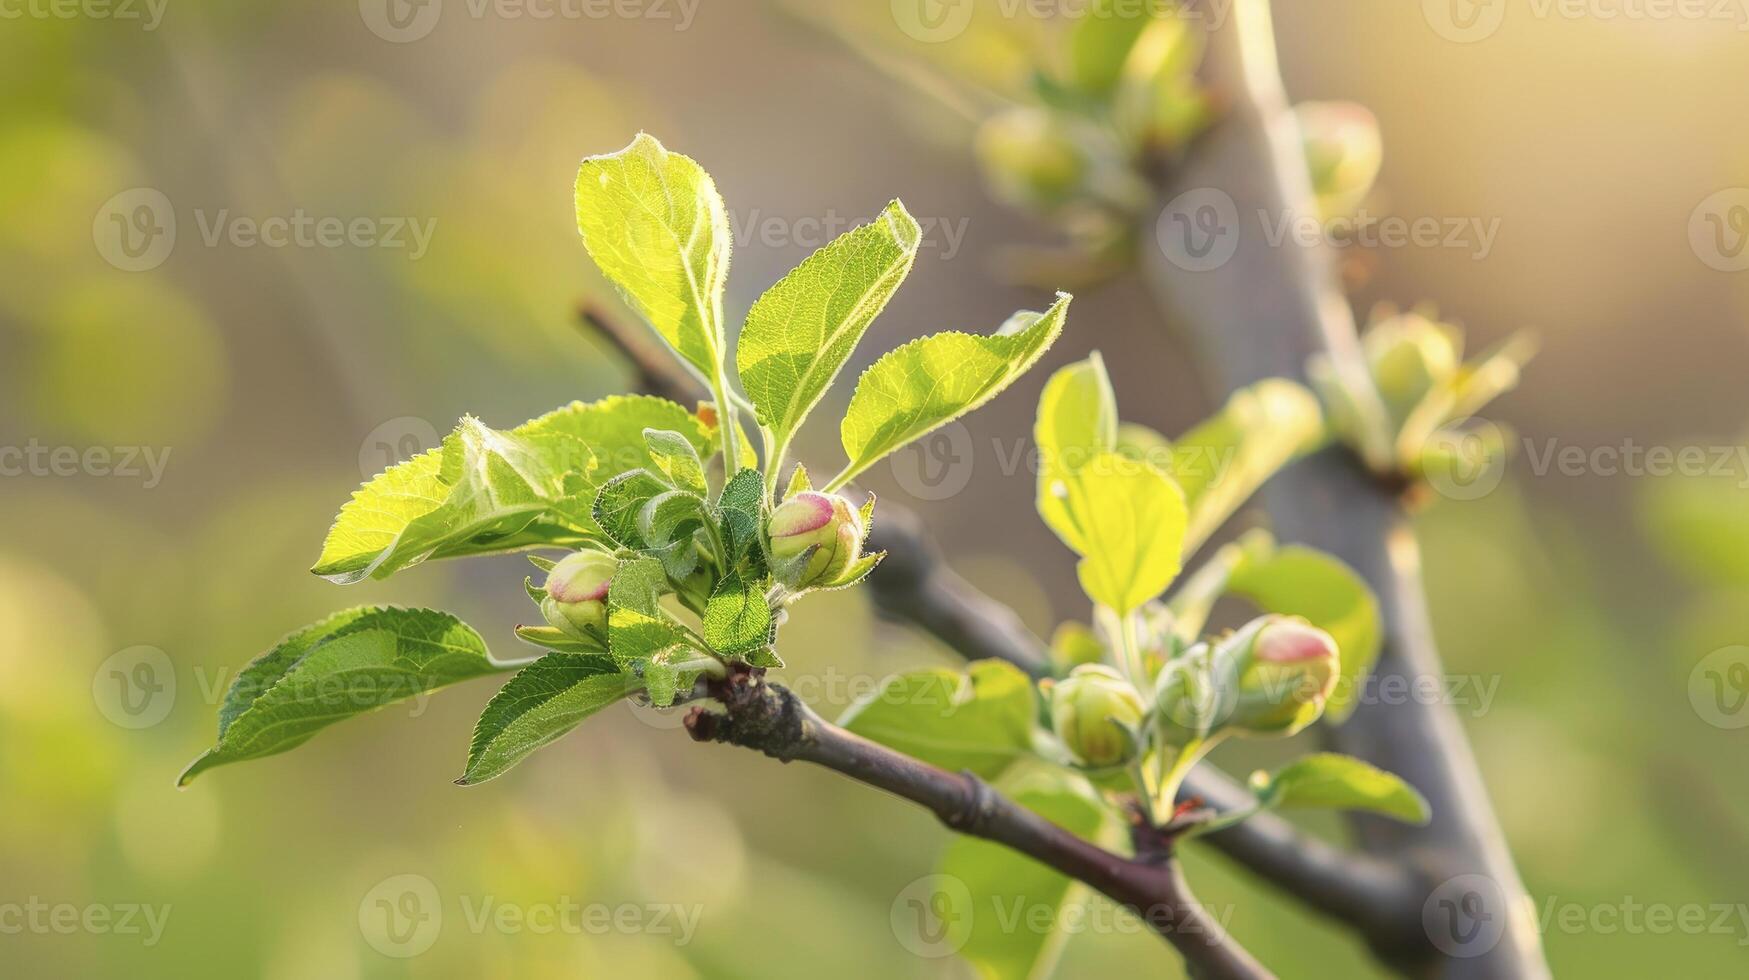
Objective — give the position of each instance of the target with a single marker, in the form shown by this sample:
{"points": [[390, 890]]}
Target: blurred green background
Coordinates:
{"points": [[1598, 607]]}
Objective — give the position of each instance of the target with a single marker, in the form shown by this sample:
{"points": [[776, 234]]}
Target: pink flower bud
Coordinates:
{"points": [[824, 522], [577, 592], [1285, 677]]}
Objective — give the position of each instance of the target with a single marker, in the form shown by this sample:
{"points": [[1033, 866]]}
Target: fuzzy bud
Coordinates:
{"points": [[1286, 670], [577, 592], [824, 522], [1410, 355], [1095, 711]]}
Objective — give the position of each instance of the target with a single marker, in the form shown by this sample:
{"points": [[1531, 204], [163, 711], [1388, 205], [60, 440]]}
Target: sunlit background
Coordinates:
{"points": [[195, 406]]}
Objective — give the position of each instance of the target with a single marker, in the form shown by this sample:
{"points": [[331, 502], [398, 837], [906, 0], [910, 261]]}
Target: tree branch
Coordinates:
{"points": [[915, 585], [770, 719], [1261, 314]]}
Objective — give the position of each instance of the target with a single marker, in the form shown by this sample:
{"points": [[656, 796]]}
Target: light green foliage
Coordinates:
{"points": [[657, 228], [980, 719], [737, 619], [799, 335], [927, 383], [677, 458], [1222, 462], [542, 702], [1300, 581], [1077, 422], [1100, 42], [1000, 879], [1129, 522], [1337, 782], [345, 665], [487, 492]]}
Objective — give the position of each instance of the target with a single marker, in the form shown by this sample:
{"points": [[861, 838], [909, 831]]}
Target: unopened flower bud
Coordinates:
{"points": [[823, 522], [1344, 152], [576, 590], [1187, 702], [1030, 157], [1096, 713], [1410, 355], [1286, 670]]}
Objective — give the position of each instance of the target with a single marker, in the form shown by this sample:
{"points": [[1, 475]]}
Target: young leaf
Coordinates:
{"points": [[621, 500], [542, 702], [1128, 520], [799, 335], [1077, 422], [1299, 581], [927, 383], [740, 510], [1100, 43], [1338, 782], [677, 459], [350, 663], [488, 492], [654, 223], [737, 618], [980, 720], [996, 876], [798, 482], [1222, 462], [636, 628]]}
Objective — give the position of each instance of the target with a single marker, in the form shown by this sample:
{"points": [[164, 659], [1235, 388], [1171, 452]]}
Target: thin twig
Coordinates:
{"points": [[769, 718]]}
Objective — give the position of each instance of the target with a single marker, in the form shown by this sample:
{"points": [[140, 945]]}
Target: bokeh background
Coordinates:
{"points": [[1599, 606]]}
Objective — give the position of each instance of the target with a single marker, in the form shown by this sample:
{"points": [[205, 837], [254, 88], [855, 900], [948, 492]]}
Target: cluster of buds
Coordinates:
{"points": [[576, 594], [816, 540], [1415, 389], [1272, 678]]}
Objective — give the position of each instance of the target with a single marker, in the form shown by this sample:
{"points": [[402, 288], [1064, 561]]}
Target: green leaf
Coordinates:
{"points": [[741, 519], [488, 492], [350, 663], [927, 383], [1127, 521], [800, 334], [1327, 781], [1101, 40], [667, 523], [1300, 581], [637, 630], [1077, 423], [1222, 462], [621, 500], [981, 720], [798, 482], [654, 223], [1010, 889], [542, 702], [677, 459], [737, 618]]}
